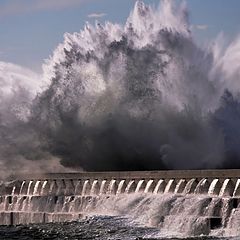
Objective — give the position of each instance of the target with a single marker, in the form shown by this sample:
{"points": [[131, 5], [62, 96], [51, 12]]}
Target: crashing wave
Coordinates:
{"points": [[139, 96]]}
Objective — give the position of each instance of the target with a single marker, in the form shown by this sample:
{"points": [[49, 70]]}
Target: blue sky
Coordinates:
{"points": [[31, 29]]}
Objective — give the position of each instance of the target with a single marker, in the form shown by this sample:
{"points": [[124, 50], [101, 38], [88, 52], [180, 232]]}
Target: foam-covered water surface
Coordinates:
{"points": [[95, 228]]}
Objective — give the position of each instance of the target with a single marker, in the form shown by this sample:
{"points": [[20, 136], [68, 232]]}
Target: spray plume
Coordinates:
{"points": [[135, 97]]}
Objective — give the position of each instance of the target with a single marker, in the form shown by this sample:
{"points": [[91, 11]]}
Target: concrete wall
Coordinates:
{"points": [[176, 174], [57, 197]]}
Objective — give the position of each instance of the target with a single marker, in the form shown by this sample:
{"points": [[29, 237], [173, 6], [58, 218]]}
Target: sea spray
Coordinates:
{"points": [[137, 96]]}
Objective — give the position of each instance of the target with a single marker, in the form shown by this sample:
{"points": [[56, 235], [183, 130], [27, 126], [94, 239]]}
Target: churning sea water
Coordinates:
{"points": [[95, 227]]}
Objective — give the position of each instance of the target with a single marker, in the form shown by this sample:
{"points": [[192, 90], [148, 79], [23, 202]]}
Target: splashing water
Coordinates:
{"points": [[139, 96]]}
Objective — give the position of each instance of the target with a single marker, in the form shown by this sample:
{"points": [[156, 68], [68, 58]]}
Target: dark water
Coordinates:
{"points": [[100, 227]]}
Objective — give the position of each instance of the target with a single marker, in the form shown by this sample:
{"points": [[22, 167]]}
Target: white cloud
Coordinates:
{"points": [[12, 75], [13, 7], [201, 27], [96, 15]]}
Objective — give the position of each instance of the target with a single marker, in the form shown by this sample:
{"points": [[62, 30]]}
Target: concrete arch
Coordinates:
{"points": [[24, 187], [181, 184], [61, 186], [131, 187], [78, 187], [112, 187], [53, 189], [69, 190], [190, 186], [86, 188], [215, 187], [16, 185], [236, 192], [160, 186], [141, 185], [30, 187], [104, 186], [95, 188], [37, 187], [171, 185], [151, 184], [202, 187], [121, 187], [45, 187], [227, 188]]}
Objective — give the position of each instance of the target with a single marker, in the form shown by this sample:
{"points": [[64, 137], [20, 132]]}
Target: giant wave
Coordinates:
{"points": [[138, 96]]}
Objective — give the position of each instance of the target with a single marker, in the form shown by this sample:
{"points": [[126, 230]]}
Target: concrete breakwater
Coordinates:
{"points": [[211, 182], [214, 194]]}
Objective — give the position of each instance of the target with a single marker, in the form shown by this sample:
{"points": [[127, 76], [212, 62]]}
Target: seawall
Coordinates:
{"points": [[176, 174], [58, 197]]}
